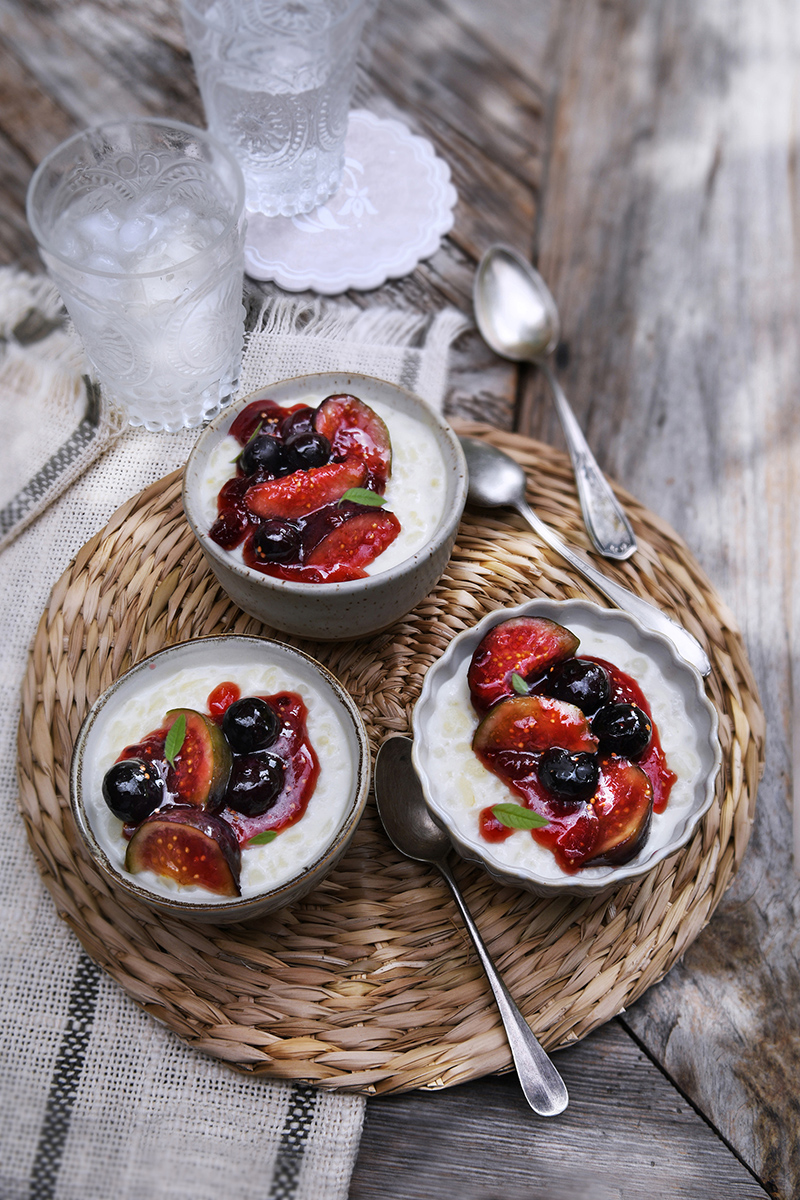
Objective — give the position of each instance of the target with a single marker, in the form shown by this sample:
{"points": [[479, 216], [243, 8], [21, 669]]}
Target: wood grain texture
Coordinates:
{"points": [[614, 1142], [668, 233]]}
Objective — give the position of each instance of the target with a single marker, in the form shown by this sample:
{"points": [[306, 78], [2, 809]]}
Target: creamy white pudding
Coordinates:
{"points": [[458, 786], [416, 491], [126, 718]]}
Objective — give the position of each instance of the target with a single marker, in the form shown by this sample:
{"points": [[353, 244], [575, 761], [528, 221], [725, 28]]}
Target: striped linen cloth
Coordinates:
{"points": [[97, 1100]]}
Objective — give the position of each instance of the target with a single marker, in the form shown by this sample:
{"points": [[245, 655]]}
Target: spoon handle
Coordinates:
{"points": [[541, 1083], [608, 527], [647, 614]]}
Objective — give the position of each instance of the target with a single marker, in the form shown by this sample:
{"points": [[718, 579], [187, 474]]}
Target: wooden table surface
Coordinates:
{"points": [[643, 153]]}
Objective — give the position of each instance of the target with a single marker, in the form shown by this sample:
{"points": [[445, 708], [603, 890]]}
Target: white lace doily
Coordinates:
{"points": [[394, 206]]}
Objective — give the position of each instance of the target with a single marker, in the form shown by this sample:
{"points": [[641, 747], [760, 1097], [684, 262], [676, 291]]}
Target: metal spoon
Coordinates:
{"points": [[413, 831], [518, 318], [495, 479]]}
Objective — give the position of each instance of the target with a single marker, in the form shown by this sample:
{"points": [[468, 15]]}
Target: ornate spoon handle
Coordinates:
{"points": [[647, 614], [607, 524]]}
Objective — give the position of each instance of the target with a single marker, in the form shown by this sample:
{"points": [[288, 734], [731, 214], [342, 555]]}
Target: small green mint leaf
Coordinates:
{"points": [[519, 685], [261, 839], [514, 816], [363, 496], [175, 739], [254, 434]]}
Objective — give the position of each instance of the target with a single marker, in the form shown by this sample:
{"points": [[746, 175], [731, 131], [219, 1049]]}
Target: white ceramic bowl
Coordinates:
{"points": [[360, 607], [183, 675], [457, 786]]}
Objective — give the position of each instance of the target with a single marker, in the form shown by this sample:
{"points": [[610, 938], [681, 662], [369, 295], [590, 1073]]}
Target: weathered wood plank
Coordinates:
{"points": [[669, 235], [626, 1135]]}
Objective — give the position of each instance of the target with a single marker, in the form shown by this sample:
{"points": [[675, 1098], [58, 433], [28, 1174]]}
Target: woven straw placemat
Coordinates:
{"points": [[371, 983]]}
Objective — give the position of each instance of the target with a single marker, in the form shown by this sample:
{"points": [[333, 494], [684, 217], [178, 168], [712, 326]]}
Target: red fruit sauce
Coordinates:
{"points": [[292, 746], [574, 826], [337, 539]]}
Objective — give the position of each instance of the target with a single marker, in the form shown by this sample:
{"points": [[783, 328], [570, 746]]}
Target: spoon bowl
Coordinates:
{"points": [[518, 319], [514, 308], [496, 480], [412, 830]]}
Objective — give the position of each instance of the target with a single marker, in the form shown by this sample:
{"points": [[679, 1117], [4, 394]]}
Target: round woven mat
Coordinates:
{"points": [[371, 983]]}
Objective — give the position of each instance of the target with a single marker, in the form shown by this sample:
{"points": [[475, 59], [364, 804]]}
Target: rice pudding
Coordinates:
{"points": [[407, 506], [459, 788], [248, 668]]}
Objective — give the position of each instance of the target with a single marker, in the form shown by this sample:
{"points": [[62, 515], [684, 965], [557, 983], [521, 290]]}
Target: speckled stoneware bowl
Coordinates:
{"points": [[332, 611], [182, 676], [457, 786]]}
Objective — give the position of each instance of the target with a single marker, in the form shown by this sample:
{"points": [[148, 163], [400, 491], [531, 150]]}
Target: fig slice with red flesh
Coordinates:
{"points": [[303, 492], [533, 724], [355, 544], [355, 430], [201, 765], [262, 415], [623, 804], [525, 646], [190, 846]]}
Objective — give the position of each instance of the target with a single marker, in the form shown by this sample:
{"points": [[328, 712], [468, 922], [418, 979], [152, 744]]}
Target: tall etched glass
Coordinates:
{"points": [[141, 227], [276, 77]]}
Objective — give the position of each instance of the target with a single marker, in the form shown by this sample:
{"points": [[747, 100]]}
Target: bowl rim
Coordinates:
{"points": [[351, 587], [613, 877], [176, 906]]}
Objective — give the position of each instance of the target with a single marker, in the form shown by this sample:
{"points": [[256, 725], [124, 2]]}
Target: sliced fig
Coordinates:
{"points": [[262, 415], [190, 846], [200, 768], [525, 646], [623, 804], [358, 542], [533, 724], [355, 430], [305, 491], [575, 838]]}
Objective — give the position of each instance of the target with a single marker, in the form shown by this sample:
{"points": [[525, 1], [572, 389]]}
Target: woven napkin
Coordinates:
{"points": [[98, 1100]]}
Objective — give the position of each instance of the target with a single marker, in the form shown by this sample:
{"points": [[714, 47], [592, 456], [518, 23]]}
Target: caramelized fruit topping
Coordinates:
{"points": [[293, 471], [580, 748], [249, 760]]}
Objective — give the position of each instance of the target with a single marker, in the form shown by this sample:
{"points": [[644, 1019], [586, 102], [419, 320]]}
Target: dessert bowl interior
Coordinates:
{"points": [[183, 676], [457, 786], [427, 491]]}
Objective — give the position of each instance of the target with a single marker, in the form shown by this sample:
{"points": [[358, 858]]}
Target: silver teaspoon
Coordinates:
{"points": [[413, 831], [518, 318], [495, 480]]}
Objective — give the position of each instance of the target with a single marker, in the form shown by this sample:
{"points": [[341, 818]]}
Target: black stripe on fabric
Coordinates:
{"points": [[66, 1077], [296, 1128], [48, 475]]}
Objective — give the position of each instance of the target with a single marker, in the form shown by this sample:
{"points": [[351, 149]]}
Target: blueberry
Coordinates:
{"points": [[276, 541], [580, 682], [263, 454], [250, 724], [622, 729], [132, 789], [569, 776], [298, 422], [255, 784], [305, 450]]}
